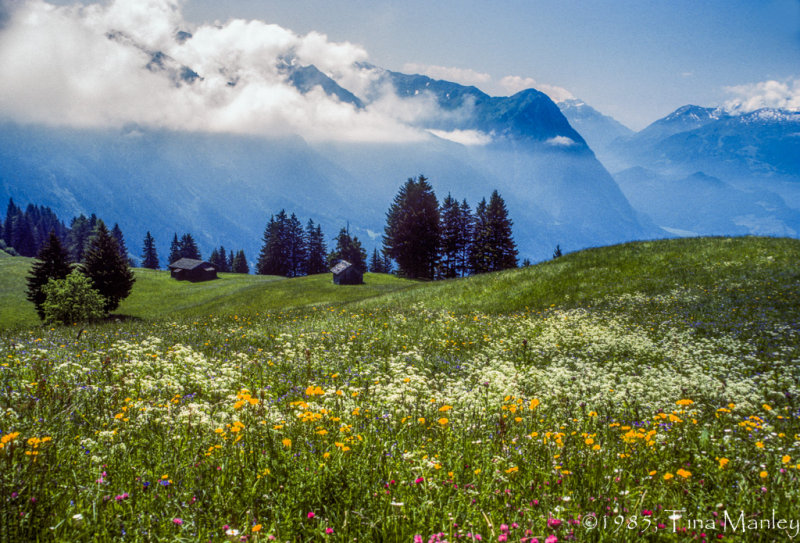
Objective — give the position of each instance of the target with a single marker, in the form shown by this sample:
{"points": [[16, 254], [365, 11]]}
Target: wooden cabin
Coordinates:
{"points": [[345, 273], [189, 269]]}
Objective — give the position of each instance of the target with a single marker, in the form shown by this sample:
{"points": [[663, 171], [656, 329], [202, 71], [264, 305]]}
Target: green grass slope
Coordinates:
{"points": [[156, 295], [720, 268]]}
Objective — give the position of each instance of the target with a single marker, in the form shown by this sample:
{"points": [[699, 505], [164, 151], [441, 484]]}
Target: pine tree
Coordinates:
{"points": [[557, 253], [116, 231], [8, 225], [230, 260], [214, 259], [240, 263], [108, 271], [223, 265], [149, 254], [174, 250], [316, 249], [272, 260], [480, 246], [449, 227], [412, 229], [51, 263], [348, 248], [188, 248], [80, 230], [503, 253], [376, 263], [464, 245], [296, 252]]}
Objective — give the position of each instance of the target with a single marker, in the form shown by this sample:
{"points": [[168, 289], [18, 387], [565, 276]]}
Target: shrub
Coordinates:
{"points": [[72, 300]]}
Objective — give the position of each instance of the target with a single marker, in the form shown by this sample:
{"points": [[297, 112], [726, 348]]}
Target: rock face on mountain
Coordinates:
{"points": [[223, 188]]}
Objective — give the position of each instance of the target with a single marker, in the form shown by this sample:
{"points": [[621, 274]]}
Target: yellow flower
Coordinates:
{"points": [[668, 476], [786, 459], [767, 407], [723, 462], [477, 471], [287, 442], [683, 473], [257, 528], [763, 474], [760, 445], [653, 472], [443, 421], [512, 469], [684, 402], [589, 441], [421, 420], [446, 408]]}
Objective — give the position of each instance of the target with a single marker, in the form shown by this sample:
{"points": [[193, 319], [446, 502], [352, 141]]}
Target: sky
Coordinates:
{"points": [[636, 60]]}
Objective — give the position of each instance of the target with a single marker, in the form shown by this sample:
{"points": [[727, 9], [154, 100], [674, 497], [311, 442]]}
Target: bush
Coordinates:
{"points": [[72, 300]]}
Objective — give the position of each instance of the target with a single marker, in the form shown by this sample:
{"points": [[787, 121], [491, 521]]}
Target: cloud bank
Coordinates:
{"points": [[770, 94], [138, 61]]}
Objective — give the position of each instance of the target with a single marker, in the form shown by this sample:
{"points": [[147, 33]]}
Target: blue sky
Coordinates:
{"points": [[636, 60]]}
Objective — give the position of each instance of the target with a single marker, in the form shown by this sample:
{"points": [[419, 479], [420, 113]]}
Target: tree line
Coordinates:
{"points": [[433, 241]]}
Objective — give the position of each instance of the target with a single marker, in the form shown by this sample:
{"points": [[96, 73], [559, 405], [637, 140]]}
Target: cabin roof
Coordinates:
{"points": [[191, 264]]}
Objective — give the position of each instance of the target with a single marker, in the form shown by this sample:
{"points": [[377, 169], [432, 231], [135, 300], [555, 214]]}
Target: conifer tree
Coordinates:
{"points": [[174, 249], [316, 249], [149, 254], [480, 246], [376, 262], [503, 248], [231, 259], [557, 253], [80, 230], [465, 225], [348, 248], [449, 227], [214, 259], [296, 252], [188, 248], [411, 235], [223, 260], [109, 272], [272, 260], [51, 263], [116, 231], [240, 263]]}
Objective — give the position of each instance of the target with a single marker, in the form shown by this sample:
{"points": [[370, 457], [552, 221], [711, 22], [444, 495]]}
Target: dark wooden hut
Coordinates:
{"points": [[345, 273], [189, 269]]}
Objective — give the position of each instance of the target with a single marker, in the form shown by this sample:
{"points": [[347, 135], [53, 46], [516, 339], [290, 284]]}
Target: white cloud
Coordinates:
{"points": [[464, 137], [771, 94], [93, 66], [561, 141], [513, 84], [464, 76]]}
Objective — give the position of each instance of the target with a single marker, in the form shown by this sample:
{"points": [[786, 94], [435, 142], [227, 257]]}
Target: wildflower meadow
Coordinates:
{"points": [[668, 414]]}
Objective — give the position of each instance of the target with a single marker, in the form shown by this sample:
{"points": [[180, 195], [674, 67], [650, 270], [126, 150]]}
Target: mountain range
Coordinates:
{"points": [[542, 157]]}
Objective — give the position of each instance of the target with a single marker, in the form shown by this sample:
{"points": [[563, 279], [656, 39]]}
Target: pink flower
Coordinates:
{"points": [[311, 514], [502, 538], [329, 530], [553, 523], [419, 480], [504, 528], [177, 521], [551, 539], [417, 538]]}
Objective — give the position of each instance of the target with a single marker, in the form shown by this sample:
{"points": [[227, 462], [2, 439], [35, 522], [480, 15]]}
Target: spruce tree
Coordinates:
{"points": [[503, 253], [465, 226], [449, 227], [214, 259], [231, 259], [296, 252], [174, 250], [557, 253], [272, 260], [376, 263], [240, 263], [188, 248], [80, 230], [348, 248], [222, 264], [480, 248], [316, 249], [116, 231], [108, 271], [411, 235], [51, 263], [149, 254]]}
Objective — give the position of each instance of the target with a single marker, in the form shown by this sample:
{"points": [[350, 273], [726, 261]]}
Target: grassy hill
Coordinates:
{"points": [[767, 267], [643, 379]]}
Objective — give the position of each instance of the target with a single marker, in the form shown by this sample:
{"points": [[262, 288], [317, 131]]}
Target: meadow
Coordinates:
{"points": [[647, 391]]}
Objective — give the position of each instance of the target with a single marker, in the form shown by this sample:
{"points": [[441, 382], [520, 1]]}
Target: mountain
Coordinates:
{"points": [[700, 204], [597, 129], [223, 187]]}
